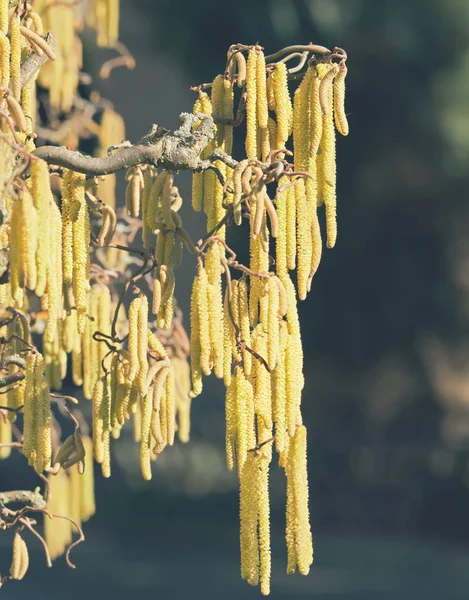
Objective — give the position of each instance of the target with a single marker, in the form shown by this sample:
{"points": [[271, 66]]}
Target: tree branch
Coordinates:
{"points": [[34, 499], [179, 151]]}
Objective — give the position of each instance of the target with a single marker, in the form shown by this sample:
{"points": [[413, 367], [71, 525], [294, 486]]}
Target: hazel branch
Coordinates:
{"points": [[178, 151], [34, 499]]}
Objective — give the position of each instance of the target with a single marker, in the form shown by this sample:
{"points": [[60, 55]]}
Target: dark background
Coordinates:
{"points": [[385, 328]]}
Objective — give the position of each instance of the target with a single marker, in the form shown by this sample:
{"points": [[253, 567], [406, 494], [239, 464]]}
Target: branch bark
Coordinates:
{"points": [[33, 499], [34, 62], [179, 151]]}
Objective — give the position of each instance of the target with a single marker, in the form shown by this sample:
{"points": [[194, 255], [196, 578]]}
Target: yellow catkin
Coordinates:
{"points": [[201, 291], [87, 500], [36, 22], [43, 419], [133, 346], [54, 272], [5, 436], [147, 185], [4, 16], [273, 324], [273, 218], [301, 121], [98, 447], [261, 378], [182, 381], [156, 296], [251, 105], [265, 566], [145, 438], [102, 297], [80, 246], [106, 464], [261, 91], [259, 213], [198, 178], [113, 390], [281, 240], [24, 560], [75, 494], [25, 220], [195, 349], [241, 69], [291, 227], [315, 115], [244, 417], [15, 284], [68, 216], [228, 102], [237, 187], [133, 191], [340, 117], [235, 317], [170, 407], [243, 312], [142, 341], [227, 340], [303, 231], [327, 73], [270, 92], [18, 112], [15, 55], [293, 385], [4, 58], [20, 560], [327, 170], [160, 416], [154, 200], [217, 98], [94, 350], [15, 395], [164, 213], [38, 42], [298, 491], [214, 270], [29, 409], [279, 400], [58, 532], [87, 345], [42, 199], [230, 424], [249, 546], [316, 238], [283, 105], [169, 239], [290, 525]]}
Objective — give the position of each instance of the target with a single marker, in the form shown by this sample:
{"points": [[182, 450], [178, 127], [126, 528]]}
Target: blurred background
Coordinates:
{"points": [[385, 328]]}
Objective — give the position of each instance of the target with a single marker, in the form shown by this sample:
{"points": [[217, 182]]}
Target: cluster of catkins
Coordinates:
{"points": [[247, 330], [57, 308], [63, 302]]}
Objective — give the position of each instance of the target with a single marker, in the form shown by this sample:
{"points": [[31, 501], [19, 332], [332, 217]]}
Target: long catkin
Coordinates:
{"points": [[251, 105]]}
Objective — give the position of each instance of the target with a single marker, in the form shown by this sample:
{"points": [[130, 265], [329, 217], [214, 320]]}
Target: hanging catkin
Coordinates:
{"points": [[283, 106], [42, 200], [327, 160], [251, 105], [339, 101]]}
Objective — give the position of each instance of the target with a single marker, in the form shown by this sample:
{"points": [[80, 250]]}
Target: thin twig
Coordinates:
{"points": [[26, 523]]}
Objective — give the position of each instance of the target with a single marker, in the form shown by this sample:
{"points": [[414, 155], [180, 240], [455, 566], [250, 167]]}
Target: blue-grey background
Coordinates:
{"points": [[386, 327]]}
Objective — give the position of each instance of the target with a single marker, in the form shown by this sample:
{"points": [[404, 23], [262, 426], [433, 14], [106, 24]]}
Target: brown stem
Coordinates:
{"points": [[25, 521]]}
